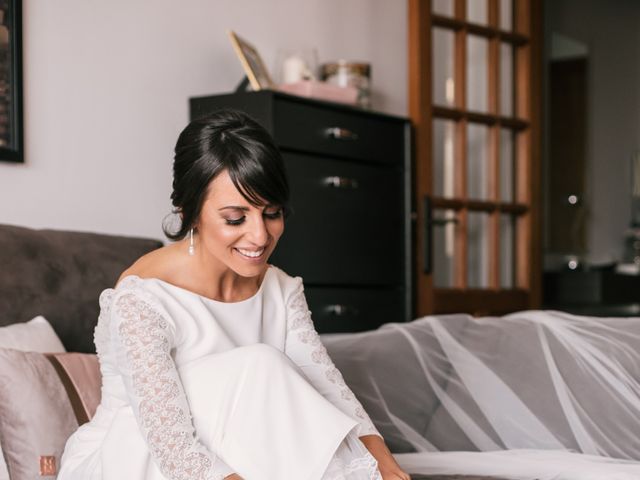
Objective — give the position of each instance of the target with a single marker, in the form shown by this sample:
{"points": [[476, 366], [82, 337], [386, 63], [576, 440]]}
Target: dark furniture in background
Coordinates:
{"points": [[595, 292], [349, 236]]}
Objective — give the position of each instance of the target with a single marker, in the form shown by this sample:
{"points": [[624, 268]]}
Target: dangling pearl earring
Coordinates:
{"points": [[192, 248]]}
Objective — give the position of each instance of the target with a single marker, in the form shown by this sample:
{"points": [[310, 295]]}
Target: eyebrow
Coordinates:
{"points": [[234, 207], [244, 209]]}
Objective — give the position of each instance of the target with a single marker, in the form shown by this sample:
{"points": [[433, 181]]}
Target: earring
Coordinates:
{"points": [[192, 248]]}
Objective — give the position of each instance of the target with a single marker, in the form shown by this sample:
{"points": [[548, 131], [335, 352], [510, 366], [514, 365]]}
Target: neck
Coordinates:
{"points": [[214, 279]]}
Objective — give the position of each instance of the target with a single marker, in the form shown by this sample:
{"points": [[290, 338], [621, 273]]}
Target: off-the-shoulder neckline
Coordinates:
{"points": [[202, 297]]}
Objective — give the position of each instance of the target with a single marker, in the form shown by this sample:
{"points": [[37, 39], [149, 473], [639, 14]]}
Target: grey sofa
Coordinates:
{"points": [[60, 275]]}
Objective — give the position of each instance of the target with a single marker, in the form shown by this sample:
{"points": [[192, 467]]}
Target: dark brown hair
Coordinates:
{"points": [[225, 140]]}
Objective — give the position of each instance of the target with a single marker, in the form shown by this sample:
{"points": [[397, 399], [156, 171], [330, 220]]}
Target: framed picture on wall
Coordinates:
{"points": [[252, 63], [11, 136]]}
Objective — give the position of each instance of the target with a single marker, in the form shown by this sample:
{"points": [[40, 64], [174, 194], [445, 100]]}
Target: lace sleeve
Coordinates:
{"points": [[143, 341], [304, 347]]}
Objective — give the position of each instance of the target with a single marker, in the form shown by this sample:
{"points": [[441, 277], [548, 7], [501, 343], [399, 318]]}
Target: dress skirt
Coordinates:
{"points": [[251, 406]]}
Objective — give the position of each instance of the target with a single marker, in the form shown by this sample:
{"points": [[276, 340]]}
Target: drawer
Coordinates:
{"points": [[347, 225], [317, 129], [353, 310]]}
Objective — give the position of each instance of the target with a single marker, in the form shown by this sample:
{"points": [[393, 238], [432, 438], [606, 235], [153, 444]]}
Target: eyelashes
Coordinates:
{"points": [[234, 222], [269, 216], [273, 216]]}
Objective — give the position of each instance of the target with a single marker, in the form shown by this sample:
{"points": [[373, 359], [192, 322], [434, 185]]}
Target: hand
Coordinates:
{"points": [[393, 474], [389, 468], [233, 476]]}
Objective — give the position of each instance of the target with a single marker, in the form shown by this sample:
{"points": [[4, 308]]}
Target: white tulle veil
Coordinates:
{"points": [[532, 395]]}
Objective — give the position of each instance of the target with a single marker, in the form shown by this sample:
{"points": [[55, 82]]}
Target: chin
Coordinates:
{"points": [[249, 272]]}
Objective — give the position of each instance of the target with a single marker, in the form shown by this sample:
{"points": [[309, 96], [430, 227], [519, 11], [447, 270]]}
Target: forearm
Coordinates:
{"points": [[387, 465], [376, 446]]}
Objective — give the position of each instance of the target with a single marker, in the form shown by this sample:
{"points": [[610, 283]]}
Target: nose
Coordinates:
{"points": [[258, 233]]}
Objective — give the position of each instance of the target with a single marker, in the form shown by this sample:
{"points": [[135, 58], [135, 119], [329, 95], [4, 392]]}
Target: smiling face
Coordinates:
{"points": [[239, 235]]}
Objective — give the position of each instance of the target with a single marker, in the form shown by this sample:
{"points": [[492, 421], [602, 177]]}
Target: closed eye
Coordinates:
{"points": [[235, 221], [268, 214], [273, 215]]}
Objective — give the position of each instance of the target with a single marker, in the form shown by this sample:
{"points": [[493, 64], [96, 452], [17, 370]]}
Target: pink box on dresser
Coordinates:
{"points": [[321, 91]]}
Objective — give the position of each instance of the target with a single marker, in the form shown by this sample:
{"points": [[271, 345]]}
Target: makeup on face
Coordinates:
{"points": [[240, 235], [269, 212]]}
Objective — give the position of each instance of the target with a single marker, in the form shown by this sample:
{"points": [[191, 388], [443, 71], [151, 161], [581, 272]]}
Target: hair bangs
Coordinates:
{"points": [[258, 186]]}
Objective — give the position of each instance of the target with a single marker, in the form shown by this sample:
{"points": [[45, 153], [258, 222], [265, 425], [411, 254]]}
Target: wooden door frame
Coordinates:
{"points": [[528, 105]]}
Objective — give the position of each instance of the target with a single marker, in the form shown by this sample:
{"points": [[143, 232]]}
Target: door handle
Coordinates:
{"points": [[427, 240]]}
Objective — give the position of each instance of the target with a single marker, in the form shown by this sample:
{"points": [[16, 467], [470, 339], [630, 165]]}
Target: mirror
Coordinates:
{"points": [[592, 130], [591, 157], [567, 201]]}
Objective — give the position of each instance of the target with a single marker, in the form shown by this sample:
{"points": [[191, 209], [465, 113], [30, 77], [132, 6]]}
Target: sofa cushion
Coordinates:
{"points": [[80, 375], [36, 335], [60, 275], [36, 417], [39, 409]]}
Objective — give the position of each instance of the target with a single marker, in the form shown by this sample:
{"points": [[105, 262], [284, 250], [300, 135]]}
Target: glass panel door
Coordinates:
{"points": [[475, 127]]}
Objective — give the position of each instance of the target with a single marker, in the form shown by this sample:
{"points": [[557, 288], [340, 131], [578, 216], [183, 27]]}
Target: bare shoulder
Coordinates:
{"points": [[156, 264]]}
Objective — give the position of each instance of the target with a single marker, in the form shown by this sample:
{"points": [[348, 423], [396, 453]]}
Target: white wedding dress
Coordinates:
{"points": [[196, 389]]}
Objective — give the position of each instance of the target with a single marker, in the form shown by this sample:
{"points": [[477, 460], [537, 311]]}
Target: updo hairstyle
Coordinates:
{"points": [[231, 140]]}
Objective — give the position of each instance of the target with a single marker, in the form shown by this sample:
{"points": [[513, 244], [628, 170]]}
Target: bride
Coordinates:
{"points": [[211, 366]]}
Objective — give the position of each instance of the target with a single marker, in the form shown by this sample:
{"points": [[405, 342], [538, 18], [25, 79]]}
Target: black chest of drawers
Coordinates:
{"points": [[349, 236]]}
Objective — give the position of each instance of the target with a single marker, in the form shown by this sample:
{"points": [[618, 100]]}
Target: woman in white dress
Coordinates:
{"points": [[211, 366]]}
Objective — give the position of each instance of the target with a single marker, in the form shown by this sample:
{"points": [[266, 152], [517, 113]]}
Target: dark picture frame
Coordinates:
{"points": [[11, 107]]}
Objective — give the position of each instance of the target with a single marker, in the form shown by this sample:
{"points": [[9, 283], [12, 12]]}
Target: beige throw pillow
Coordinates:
{"points": [[36, 335], [36, 416]]}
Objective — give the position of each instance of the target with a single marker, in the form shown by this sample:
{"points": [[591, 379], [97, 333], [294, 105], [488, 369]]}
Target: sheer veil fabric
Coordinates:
{"points": [[532, 395]]}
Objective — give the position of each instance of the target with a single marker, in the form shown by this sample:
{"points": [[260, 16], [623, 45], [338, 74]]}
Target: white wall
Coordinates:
{"points": [[106, 87]]}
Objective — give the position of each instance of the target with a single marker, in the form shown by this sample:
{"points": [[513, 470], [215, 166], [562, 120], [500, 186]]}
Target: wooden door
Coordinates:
{"points": [[475, 96]]}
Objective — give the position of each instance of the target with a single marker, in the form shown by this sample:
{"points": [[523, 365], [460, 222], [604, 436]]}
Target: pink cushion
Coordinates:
{"points": [[80, 374]]}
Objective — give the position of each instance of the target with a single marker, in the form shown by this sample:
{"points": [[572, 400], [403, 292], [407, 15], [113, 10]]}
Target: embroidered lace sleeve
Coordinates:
{"points": [[304, 347], [143, 339]]}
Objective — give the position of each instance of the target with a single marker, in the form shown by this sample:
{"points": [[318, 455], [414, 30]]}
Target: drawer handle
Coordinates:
{"points": [[338, 133], [340, 182], [341, 310]]}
